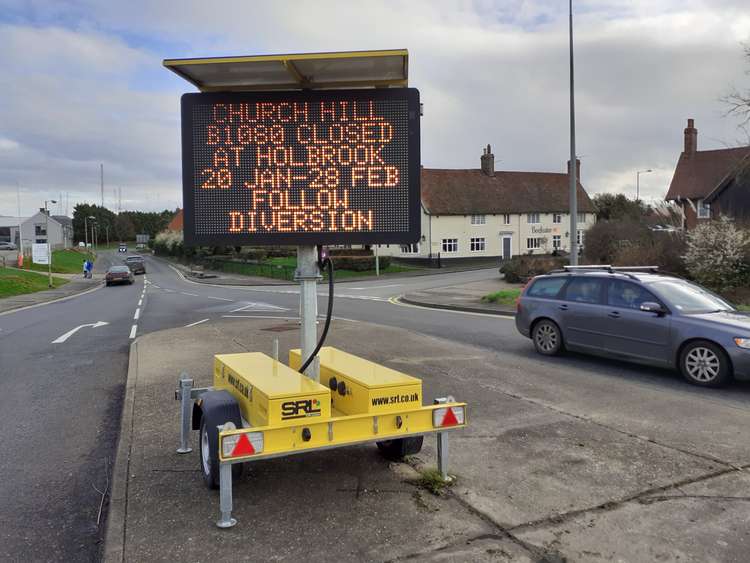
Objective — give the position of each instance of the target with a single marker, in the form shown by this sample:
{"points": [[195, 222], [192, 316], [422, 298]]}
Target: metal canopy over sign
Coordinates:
{"points": [[304, 167], [354, 69]]}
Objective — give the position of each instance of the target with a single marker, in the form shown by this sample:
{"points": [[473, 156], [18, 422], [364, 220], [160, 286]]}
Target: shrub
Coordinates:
{"points": [[359, 263], [522, 267], [717, 255], [349, 252]]}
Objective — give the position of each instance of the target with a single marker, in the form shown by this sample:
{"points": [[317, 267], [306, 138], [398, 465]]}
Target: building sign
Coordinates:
{"points": [[316, 167]]}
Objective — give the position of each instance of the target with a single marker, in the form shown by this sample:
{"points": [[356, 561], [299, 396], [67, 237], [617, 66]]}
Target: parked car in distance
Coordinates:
{"points": [[8, 246], [136, 264], [119, 274], [639, 315], [122, 248]]}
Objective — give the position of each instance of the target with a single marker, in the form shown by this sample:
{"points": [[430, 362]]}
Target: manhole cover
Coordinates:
{"points": [[280, 328]]}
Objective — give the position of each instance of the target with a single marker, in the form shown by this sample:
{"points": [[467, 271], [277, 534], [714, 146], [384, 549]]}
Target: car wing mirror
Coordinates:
{"points": [[653, 307]]}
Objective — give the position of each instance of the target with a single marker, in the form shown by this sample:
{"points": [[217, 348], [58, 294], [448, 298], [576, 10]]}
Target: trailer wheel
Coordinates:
{"points": [[399, 448], [217, 407]]}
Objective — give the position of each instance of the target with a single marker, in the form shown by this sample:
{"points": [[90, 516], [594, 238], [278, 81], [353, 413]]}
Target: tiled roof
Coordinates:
{"points": [[467, 192], [697, 174], [176, 224]]}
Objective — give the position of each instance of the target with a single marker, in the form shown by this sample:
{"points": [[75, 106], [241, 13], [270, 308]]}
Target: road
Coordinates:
{"points": [[60, 403]]}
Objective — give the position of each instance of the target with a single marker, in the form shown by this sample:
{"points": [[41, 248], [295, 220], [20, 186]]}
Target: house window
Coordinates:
{"points": [[704, 210], [581, 217], [41, 241], [477, 244], [579, 239], [556, 242], [534, 243], [478, 219], [450, 245], [532, 218], [506, 219], [557, 218], [410, 248], [40, 230]]}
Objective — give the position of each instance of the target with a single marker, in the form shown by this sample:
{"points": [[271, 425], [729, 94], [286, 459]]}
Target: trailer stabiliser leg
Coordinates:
{"points": [[185, 388], [225, 496], [442, 456]]}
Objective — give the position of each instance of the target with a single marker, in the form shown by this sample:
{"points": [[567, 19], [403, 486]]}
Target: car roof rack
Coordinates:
{"points": [[625, 270]]}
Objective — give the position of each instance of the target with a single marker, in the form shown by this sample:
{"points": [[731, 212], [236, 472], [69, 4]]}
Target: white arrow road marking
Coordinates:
{"points": [[64, 337]]}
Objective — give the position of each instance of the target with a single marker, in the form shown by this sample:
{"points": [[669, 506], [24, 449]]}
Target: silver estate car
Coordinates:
{"points": [[639, 315]]}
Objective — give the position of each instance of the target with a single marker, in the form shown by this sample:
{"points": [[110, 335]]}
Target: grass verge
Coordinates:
{"points": [[291, 261], [63, 262], [17, 282], [503, 297]]}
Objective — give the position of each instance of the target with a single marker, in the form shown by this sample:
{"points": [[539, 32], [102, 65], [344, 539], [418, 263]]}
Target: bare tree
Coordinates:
{"points": [[738, 101]]}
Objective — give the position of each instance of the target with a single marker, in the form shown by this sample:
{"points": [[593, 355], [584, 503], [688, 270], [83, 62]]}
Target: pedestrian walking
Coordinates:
{"points": [[90, 268], [85, 268]]}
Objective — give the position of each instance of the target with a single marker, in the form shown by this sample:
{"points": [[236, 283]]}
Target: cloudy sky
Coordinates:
{"points": [[82, 83]]}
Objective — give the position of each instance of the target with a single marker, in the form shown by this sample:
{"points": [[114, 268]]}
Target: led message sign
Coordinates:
{"points": [[317, 167]]}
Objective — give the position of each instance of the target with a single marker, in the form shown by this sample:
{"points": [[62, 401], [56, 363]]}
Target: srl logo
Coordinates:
{"points": [[292, 409]]}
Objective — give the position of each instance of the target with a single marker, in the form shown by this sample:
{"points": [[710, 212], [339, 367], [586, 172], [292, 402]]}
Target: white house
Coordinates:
{"points": [[483, 213], [34, 229]]}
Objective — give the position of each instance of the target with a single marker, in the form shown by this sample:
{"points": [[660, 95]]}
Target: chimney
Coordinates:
{"points": [[691, 138], [578, 169], [488, 161]]}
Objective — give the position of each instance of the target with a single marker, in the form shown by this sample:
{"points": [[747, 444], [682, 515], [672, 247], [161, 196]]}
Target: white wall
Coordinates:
{"points": [[435, 228], [55, 232]]}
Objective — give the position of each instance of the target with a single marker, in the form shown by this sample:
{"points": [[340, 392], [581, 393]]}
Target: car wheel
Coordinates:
{"points": [[706, 364], [108, 284], [547, 338]]}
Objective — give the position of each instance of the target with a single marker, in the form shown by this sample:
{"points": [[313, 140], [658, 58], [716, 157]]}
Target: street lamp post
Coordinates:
{"points": [[46, 233], [92, 219], [572, 167], [638, 182]]}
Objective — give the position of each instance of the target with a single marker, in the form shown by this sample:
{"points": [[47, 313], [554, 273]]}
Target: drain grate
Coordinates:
{"points": [[281, 328]]}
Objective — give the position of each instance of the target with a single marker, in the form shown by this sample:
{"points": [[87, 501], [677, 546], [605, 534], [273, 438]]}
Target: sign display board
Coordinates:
{"points": [[142, 239], [309, 167], [39, 254]]}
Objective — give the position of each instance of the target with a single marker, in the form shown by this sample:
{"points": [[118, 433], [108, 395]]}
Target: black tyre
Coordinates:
{"points": [[108, 284], [705, 364], [399, 448], [209, 457], [547, 338]]}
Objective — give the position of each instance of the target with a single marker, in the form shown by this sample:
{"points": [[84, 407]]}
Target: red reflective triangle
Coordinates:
{"points": [[449, 419], [243, 447]]}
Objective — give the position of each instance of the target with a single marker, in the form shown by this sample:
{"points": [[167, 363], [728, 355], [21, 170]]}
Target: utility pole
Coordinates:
{"points": [[102, 182], [572, 166], [20, 234], [46, 233]]}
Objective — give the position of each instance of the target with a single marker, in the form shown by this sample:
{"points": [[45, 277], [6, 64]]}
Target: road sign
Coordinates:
{"points": [[309, 167], [142, 239], [39, 254]]}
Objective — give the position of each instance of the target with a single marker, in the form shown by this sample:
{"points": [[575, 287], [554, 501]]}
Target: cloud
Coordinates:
{"points": [[91, 88]]}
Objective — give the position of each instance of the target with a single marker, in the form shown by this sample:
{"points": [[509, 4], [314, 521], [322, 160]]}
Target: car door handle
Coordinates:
{"points": [[563, 307], [614, 315]]}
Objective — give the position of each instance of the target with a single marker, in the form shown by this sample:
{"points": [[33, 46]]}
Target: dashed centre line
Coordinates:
{"points": [[133, 330], [137, 314]]}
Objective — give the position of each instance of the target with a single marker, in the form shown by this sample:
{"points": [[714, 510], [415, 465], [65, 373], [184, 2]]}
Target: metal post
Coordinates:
{"points": [[49, 251], [572, 171], [186, 386], [86, 231], [377, 261], [308, 274], [225, 496], [276, 349], [442, 455]]}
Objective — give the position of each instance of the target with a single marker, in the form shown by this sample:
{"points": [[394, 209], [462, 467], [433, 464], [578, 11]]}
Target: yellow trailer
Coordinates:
{"points": [[260, 408]]}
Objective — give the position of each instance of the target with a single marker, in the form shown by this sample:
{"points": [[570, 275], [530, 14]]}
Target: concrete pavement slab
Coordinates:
{"points": [[526, 463]]}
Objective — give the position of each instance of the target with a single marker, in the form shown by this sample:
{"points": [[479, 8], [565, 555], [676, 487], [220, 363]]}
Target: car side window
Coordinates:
{"points": [[627, 295], [546, 288], [585, 290]]}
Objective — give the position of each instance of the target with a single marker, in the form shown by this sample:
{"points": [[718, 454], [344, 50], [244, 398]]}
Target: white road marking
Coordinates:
{"points": [[195, 323], [258, 307], [64, 337], [190, 294], [157, 287], [220, 298], [133, 329], [137, 314], [140, 301], [378, 286]]}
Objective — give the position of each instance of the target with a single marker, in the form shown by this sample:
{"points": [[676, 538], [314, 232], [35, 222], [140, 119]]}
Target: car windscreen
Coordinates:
{"points": [[134, 259], [119, 269], [688, 298]]}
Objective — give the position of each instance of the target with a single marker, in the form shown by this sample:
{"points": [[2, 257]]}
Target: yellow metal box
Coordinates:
{"points": [[362, 386], [270, 393]]}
